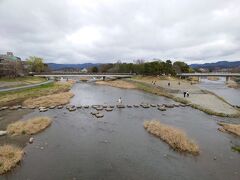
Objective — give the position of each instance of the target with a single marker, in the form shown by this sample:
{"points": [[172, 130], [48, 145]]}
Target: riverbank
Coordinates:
{"points": [[200, 99], [18, 97]]}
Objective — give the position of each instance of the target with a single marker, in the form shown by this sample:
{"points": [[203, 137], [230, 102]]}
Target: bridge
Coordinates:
{"points": [[217, 74], [83, 75]]}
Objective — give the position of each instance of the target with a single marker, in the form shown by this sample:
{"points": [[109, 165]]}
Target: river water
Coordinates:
{"points": [[79, 146], [219, 87]]}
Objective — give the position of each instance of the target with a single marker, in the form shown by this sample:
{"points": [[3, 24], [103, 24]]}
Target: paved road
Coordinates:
{"points": [[25, 87]]}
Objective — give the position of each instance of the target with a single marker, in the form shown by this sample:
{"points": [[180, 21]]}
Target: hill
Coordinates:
{"points": [[217, 65], [54, 66]]}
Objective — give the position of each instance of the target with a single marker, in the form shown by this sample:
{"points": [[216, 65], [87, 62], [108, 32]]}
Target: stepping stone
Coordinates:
{"points": [[72, 109], [32, 107], [94, 113], [43, 109], [24, 107], [176, 105], [15, 107], [162, 109], [182, 105], [100, 108], [2, 133], [145, 105], [129, 106], [120, 106], [153, 105], [111, 106], [108, 109], [52, 107], [3, 108], [169, 106], [104, 106], [86, 106], [60, 107], [99, 115], [79, 107], [136, 106]]}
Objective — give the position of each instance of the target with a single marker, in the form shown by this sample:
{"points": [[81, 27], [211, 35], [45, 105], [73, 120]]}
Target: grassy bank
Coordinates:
{"points": [[176, 138], [25, 79], [17, 97]]}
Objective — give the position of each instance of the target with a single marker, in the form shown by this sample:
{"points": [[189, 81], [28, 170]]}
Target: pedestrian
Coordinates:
{"points": [[168, 83], [120, 100], [187, 94], [184, 93], [179, 83]]}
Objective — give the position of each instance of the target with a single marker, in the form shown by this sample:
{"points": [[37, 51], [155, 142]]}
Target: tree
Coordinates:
{"points": [[181, 67], [35, 64], [95, 69]]}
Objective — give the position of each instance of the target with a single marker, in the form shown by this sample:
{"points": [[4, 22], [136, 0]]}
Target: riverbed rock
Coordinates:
{"points": [[2, 133], [182, 105], [104, 106], [79, 107], [32, 107], [135, 105], [153, 105], [129, 106], [86, 106], [111, 106]]}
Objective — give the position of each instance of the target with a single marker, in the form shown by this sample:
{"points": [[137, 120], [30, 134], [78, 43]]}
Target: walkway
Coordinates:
{"points": [[25, 87]]}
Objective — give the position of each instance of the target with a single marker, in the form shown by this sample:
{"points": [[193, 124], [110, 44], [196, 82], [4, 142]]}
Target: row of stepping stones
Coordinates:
{"points": [[161, 107]]}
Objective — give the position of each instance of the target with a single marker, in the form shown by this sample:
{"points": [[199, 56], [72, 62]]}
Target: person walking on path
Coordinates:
{"points": [[187, 93], [184, 93]]}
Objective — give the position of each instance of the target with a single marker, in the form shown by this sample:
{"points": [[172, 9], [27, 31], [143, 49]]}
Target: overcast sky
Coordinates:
{"points": [[79, 31]]}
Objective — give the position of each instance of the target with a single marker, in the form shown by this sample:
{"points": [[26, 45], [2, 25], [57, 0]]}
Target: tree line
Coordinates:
{"points": [[144, 68]]}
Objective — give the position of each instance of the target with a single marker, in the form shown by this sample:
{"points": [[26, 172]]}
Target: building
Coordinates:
{"points": [[10, 65], [84, 70]]}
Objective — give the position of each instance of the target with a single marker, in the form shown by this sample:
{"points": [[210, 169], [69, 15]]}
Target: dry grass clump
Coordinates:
{"points": [[176, 138], [31, 126], [118, 84], [49, 100], [9, 157], [231, 128]]}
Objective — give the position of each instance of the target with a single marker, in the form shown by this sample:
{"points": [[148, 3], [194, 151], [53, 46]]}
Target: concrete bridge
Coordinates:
{"points": [[217, 74], [76, 75]]}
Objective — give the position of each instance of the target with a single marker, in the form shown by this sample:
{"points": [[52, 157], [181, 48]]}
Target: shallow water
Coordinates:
{"points": [[77, 145], [219, 87]]}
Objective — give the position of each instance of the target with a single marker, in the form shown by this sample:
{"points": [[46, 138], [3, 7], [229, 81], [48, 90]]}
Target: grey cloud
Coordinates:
{"points": [[76, 31]]}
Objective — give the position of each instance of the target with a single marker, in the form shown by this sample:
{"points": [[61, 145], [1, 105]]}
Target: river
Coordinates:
{"points": [[219, 87], [79, 146]]}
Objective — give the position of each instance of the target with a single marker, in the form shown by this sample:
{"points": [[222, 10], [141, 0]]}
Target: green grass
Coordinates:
{"points": [[22, 79], [17, 97], [236, 148]]}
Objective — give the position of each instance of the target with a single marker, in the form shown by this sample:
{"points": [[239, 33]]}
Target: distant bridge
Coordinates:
{"points": [[217, 74]]}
